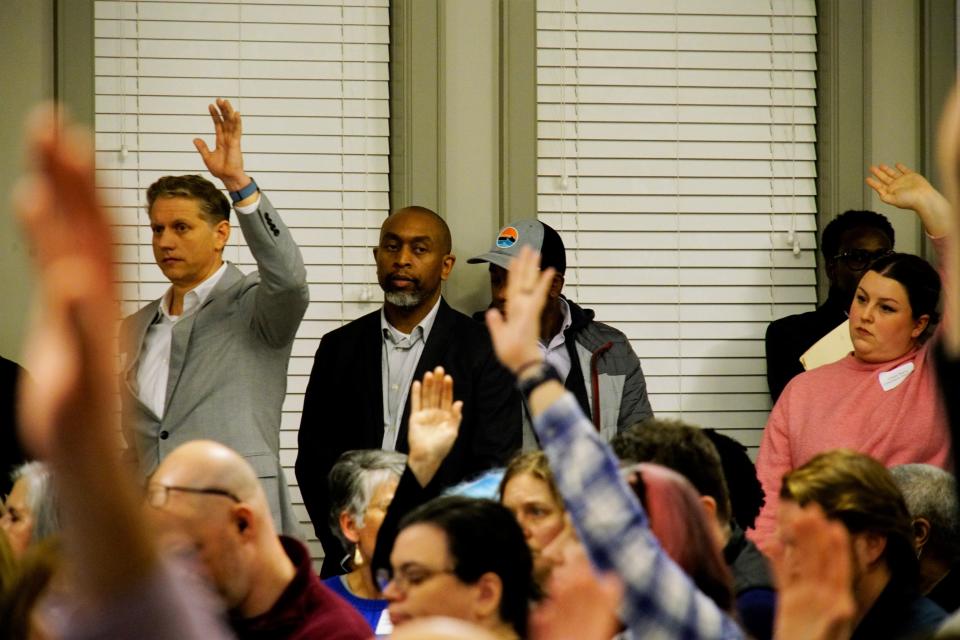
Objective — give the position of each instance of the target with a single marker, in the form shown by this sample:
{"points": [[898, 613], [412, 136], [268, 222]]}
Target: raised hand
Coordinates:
{"points": [[949, 158], [515, 337], [66, 405], [814, 580], [906, 189], [226, 160], [434, 424], [580, 605], [70, 349]]}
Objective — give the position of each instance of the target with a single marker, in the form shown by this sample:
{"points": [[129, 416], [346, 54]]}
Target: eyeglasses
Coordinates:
{"points": [[158, 494], [407, 577], [859, 259]]}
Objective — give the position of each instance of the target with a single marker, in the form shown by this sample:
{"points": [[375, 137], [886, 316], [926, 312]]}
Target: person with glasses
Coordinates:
{"points": [[206, 500], [850, 242], [881, 399], [463, 558]]}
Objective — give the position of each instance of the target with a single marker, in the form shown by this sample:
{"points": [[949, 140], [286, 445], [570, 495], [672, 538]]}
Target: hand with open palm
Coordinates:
{"points": [[434, 424]]}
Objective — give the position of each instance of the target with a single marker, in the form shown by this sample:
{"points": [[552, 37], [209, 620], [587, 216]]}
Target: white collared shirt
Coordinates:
{"points": [[153, 369], [400, 355], [555, 352]]}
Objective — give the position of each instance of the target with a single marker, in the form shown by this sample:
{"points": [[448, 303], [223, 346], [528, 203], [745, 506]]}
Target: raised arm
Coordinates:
{"points": [[283, 295], [66, 407], [906, 189], [225, 162], [661, 600], [431, 433], [949, 157]]}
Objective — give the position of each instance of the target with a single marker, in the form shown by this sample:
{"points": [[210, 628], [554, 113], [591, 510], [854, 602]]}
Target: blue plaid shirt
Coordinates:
{"points": [[660, 600]]}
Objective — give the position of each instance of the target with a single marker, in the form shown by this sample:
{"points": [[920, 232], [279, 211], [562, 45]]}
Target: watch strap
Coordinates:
{"points": [[244, 193], [545, 372]]}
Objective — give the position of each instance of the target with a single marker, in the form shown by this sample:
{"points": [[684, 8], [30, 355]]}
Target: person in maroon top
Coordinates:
{"points": [[206, 499]]}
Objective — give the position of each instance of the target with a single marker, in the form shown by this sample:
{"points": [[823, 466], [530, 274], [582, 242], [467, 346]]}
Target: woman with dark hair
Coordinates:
{"points": [[881, 399], [860, 493], [461, 558]]}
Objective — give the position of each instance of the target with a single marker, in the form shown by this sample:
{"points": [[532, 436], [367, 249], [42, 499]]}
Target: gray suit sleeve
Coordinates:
{"points": [[282, 295]]}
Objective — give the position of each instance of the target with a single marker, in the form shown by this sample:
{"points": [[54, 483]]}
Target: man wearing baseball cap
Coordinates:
{"points": [[596, 361]]}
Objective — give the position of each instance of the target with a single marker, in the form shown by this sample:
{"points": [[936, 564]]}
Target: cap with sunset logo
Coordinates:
{"points": [[528, 232]]}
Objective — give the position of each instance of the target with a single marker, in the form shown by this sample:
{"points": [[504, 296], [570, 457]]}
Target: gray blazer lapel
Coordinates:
{"points": [[178, 353], [184, 328], [135, 345]]}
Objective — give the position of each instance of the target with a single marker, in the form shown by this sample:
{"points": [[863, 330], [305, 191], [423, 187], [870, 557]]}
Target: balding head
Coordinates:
{"points": [[206, 498], [208, 464], [441, 233]]}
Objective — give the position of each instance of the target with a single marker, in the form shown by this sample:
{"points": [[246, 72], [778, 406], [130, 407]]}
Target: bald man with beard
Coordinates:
{"points": [[205, 498]]}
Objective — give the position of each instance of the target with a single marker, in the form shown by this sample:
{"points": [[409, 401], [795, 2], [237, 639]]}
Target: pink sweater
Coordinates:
{"points": [[843, 405]]}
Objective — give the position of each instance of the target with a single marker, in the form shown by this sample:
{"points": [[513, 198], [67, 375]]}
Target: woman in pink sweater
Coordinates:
{"points": [[882, 398]]}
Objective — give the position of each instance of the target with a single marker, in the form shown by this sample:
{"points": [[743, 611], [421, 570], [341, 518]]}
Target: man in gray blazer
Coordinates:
{"points": [[209, 359]]}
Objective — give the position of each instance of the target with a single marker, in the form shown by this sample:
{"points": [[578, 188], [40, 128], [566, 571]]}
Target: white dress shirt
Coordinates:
{"points": [[555, 352], [400, 355]]}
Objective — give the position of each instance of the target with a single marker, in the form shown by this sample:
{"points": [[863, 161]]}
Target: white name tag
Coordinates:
{"points": [[384, 625], [892, 379]]}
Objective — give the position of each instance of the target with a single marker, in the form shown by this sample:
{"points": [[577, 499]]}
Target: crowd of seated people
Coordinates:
{"points": [[603, 523]]}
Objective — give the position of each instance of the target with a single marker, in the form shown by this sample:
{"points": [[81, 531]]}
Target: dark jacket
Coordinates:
{"points": [[899, 614], [605, 367], [789, 338], [756, 598], [11, 454], [343, 407]]}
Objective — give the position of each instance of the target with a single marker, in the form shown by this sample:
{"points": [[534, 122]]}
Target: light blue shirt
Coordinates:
{"points": [[400, 354]]}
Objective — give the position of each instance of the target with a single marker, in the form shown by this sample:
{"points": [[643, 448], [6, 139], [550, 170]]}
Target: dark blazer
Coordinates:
{"points": [[11, 454], [343, 407]]}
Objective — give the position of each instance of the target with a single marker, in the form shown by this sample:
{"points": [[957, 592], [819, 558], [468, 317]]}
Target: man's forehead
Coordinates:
{"points": [[409, 223], [869, 238], [175, 206]]}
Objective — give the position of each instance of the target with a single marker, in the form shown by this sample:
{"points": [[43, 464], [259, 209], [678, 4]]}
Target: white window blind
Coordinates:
{"points": [[310, 78], [676, 157]]}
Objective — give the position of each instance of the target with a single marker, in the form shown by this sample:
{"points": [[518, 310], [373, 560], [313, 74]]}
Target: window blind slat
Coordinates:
{"points": [[676, 150]]}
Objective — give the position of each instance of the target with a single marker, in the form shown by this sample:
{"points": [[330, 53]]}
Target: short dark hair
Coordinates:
{"points": [[746, 492], [680, 447], [482, 537], [214, 206], [921, 281], [852, 219]]}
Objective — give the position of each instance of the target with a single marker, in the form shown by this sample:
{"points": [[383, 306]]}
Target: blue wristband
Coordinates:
{"points": [[244, 193]]}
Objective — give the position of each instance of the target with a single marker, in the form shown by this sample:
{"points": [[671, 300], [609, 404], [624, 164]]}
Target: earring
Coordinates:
{"points": [[357, 558]]}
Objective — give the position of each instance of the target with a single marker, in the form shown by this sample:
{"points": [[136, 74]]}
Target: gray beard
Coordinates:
{"points": [[404, 299]]}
